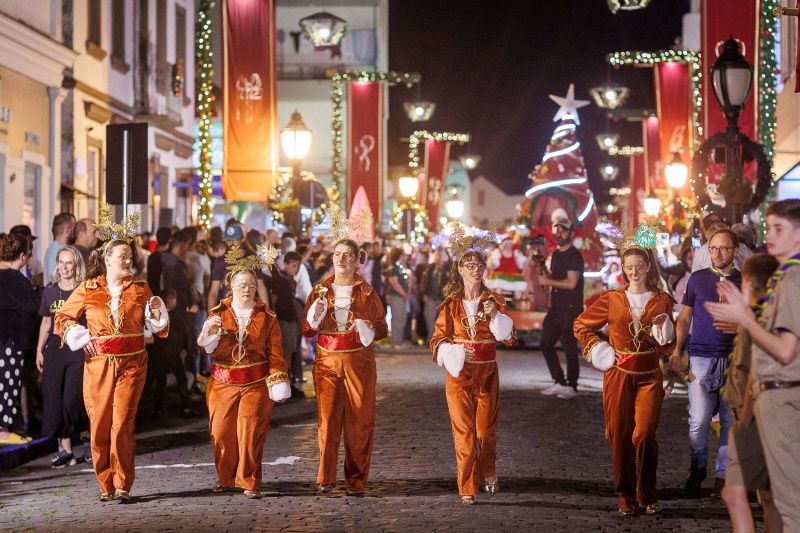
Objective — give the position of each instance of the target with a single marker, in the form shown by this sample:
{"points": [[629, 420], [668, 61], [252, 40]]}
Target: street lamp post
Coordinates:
{"points": [[455, 207], [408, 185], [732, 77], [296, 142]]}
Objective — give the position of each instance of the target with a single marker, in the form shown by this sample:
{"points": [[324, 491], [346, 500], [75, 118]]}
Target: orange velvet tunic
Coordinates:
{"points": [[612, 308], [452, 326], [259, 356], [366, 305], [91, 298]]}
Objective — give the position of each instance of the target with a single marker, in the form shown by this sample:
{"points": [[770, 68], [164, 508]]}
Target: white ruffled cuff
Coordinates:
{"points": [[208, 342], [365, 333], [665, 333], [280, 391], [451, 357], [77, 337], [310, 316], [602, 356], [157, 325], [501, 326]]}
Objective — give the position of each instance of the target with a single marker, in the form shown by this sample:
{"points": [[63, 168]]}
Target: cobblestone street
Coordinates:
{"points": [[554, 468]]}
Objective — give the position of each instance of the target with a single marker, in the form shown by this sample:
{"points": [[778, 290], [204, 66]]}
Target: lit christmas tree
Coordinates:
{"points": [[560, 185]]}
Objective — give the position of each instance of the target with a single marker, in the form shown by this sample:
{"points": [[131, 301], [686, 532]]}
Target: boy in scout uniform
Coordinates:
{"points": [[776, 357]]}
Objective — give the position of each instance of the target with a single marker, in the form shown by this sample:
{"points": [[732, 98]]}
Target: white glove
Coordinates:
{"points": [[602, 356], [77, 337], [501, 326], [451, 357], [365, 333], [205, 341], [664, 334], [280, 391], [157, 325], [310, 316]]}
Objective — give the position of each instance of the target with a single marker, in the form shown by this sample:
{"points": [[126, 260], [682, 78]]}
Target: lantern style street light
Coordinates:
{"points": [[676, 172], [455, 207], [609, 96], [323, 29], [607, 141], [296, 143], [419, 110], [652, 206], [609, 171], [409, 185], [732, 77], [470, 161]]}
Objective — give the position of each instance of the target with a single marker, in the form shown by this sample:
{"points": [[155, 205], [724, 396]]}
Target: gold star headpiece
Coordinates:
{"points": [[110, 230], [237, 261], [478, 241], [356, 227]]}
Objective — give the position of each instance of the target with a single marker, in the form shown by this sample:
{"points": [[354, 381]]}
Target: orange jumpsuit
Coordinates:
{"points": [[344, 381], [237, 394], [632, 389], [113, 379], [473, 398]]}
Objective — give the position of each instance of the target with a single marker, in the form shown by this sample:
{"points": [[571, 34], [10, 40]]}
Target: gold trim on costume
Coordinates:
{"points": [[637, 373], [240, 365], [480, 362], [471, 341], [340, 351], [112, 355], [277, 377]]}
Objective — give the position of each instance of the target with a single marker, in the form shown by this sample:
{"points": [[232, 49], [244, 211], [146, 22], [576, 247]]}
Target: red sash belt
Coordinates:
{"points": [[242, 375], [121, 346], [484, 351], [346, 341], [640, 363]]}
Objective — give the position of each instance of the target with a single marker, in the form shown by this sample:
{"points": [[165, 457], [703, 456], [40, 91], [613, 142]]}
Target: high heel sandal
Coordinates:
{"points": [[468, 500], [491, 488]]}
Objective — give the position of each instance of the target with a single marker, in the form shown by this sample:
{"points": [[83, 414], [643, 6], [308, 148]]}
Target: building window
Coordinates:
{"points": [[481, 197], [180, 44], [32, 188], [94, 30], [161, 47], [787, 39], [94, 172], [118, 27]]}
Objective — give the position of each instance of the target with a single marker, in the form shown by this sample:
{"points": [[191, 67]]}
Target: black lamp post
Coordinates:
{"points": [[732, 77]]}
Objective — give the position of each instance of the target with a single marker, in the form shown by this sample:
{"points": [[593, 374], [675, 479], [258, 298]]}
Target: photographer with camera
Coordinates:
{"points": [[565, 278]]}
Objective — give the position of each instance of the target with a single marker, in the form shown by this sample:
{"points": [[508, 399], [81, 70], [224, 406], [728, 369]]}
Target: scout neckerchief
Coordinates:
{"points": [[721, 275]]}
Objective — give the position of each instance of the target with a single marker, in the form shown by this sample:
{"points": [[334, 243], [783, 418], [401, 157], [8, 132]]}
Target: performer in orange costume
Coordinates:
{"points": [[471, 321], [348, 316], [640, 329], [248, 374], [117, 308]]}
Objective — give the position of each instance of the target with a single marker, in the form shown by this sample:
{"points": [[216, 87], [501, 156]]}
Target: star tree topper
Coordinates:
{"points": [[569, 106]]}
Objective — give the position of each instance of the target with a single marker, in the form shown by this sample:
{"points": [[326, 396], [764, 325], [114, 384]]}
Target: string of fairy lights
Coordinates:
{"points": [[436, 136], [205, 103], [767, 101], [338, 84]]}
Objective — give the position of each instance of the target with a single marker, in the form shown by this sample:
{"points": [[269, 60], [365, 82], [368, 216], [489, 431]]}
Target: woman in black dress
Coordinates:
{"points": [[19, 303], [63, 414]]}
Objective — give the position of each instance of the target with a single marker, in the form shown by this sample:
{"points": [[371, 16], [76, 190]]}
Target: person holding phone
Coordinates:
{"points": [[118, 308]]}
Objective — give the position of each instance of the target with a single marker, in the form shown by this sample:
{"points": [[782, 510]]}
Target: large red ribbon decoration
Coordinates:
{"points": [[437, 161], [250, 103], [365, 143], [719, 20], [673, 103]]}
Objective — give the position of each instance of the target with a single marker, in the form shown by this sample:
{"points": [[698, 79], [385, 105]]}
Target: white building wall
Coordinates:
{"points": [[490, 204]]}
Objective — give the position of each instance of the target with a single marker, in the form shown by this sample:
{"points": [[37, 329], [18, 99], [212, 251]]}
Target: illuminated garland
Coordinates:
{"points": [[767, 101], [420, 222], [436, 136], [626, 150], [282, 197], [669, 56], [338, 83], [205, 102]]}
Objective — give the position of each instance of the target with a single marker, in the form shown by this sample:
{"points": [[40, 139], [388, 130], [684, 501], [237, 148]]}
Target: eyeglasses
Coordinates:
{"points": [[719, 249], [472, 267]]}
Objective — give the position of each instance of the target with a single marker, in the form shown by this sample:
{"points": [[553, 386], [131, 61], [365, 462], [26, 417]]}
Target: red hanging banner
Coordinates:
{"points": [[365, 143], [637, 184], [250, 136], [652, 153], [673, 103], [719, 20], [437, 162]]}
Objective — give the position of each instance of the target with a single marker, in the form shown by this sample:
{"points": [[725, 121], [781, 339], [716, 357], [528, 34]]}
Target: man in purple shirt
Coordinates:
{"points": [[710, 344]]}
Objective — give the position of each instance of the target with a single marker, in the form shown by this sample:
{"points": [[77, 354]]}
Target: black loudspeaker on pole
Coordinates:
{"points": [[126, 164]]}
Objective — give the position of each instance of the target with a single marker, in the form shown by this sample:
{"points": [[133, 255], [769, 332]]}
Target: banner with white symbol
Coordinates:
{"points": [[365, 123], [437, 163], [250, 135]]}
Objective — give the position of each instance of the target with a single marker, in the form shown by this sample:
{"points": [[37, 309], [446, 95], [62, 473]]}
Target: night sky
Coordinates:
{"points": [[489, 67]]}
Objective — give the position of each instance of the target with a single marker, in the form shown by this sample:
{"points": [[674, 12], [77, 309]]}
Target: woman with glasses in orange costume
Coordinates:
{"points": [[117, 307], [472, 320]]}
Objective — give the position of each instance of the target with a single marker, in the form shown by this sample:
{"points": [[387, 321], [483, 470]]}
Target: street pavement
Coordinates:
{"points": [[554, 468]]}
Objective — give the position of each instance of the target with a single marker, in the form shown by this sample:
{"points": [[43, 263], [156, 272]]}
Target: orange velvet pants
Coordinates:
{"points": [[345, 389], [111, 391], [238, 423], [632, 404], [473, 399]]}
